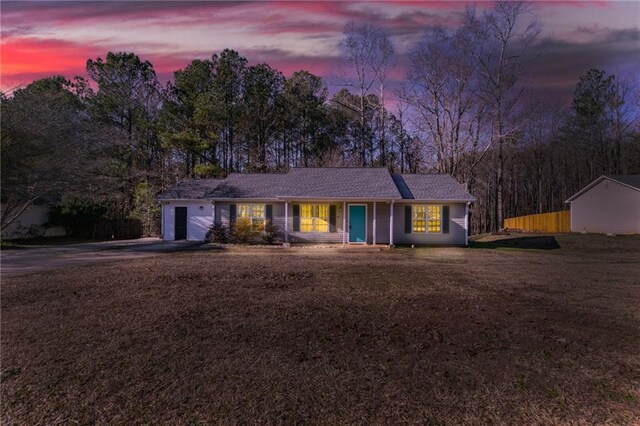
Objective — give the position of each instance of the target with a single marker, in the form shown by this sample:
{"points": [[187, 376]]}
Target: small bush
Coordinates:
{"points": [[78, 216], [271, 235], [242, 232], [217, 233]]}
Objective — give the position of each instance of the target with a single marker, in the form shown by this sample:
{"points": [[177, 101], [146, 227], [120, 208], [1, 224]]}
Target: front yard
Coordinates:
{"points": [[502, 333]]}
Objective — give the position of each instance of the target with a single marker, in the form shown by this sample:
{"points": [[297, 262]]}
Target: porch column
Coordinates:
{"points": [[391, 224], [286, 222], [344, 222], [213, 212], [375, 229], [466, 224]]}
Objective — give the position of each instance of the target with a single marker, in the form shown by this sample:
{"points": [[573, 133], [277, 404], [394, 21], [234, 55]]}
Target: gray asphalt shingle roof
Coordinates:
{"points": [[249, 185], [631, 180], [431, 187], [325, 182], [340, 182], [189, 189]]}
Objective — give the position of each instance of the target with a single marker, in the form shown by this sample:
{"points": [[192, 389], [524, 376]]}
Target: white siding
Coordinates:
{"points": [[199, 219], [456, 235], [608, 207], [222, 216]]}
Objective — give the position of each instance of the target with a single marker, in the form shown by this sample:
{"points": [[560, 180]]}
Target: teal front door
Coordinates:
{"points": [[357, 224]]}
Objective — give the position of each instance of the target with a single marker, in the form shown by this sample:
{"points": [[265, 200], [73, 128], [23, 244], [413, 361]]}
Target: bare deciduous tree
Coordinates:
{"points": [[368, 50], [503, 39]]}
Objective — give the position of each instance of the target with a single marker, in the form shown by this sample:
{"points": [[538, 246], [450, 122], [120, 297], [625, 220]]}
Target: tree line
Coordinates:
{"points": [[468, 107]]}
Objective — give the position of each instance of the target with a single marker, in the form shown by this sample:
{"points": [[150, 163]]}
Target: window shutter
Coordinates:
{"points": [[296, 218], [445, 219], [332, 218], [268, 213], [407, 219], [232, 213]]}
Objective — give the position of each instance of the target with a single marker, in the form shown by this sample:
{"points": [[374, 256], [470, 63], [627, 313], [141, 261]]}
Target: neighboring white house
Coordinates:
{"points": [[608, 205], [31, 223]]}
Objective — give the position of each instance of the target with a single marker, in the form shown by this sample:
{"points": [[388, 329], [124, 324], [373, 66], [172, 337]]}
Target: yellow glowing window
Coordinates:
{"points": [[253, 213], [314, 218], [419, 219], [306, 218], [427, 219], [322, 218], [435, 219], [244, 210]]}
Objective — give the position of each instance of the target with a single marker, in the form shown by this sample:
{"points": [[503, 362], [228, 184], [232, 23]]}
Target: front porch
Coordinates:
{"points": [[347, 222]]}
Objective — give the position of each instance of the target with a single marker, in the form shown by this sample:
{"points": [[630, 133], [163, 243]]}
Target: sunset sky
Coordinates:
{"points": [[40, 39]]}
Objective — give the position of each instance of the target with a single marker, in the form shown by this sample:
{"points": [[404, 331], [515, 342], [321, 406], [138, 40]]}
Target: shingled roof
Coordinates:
{"points": [[430, 187], [249, 185], [631, 180], [340, 182], [189, 189], [323, 183]]}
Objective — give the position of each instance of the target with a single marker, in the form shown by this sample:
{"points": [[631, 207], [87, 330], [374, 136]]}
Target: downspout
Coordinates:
{"points": [[391, 225], [375, 229], [286, 222], [466, 224], [344, 223]]}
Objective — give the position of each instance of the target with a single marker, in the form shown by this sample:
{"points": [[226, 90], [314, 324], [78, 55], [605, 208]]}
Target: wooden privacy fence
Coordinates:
{"points": [[543, 222]]}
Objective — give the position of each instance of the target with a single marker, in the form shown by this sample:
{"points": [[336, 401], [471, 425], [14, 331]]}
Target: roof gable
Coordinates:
{"points": [[431, 187], [631, 181]]}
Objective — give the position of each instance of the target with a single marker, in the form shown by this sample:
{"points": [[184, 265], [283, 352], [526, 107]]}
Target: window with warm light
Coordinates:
{"points": [[306, 218], [426, 219], [435, 219], [314, 218], [253, 214], [419, 219]]}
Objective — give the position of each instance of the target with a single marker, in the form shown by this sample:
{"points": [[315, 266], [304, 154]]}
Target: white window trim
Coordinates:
{"points": [[251, 217], [314, 217], [426, 231]]}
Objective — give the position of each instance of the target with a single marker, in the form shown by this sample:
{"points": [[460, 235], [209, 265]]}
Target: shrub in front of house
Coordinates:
{"points": [[217, 234], [271, 235], [243, 232]]}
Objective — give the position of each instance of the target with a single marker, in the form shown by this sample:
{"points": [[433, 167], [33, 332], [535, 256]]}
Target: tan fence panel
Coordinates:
{"points": [[554, 222]]}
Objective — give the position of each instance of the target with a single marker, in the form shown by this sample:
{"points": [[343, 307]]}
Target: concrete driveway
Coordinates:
{"points": [[33, 260]]}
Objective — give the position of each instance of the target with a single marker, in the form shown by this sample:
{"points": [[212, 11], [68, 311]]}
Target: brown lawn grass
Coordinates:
{"points": [[431, 336]]}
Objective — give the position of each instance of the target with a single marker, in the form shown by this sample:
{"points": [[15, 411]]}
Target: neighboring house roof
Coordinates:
{"points": [[632, 181], [431, 187], [629, 180], [324, 183], [189, 189]]}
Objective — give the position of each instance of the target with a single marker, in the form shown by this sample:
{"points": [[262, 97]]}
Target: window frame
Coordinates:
{"points": [[251, 216], [315, 212], [426, 207]]}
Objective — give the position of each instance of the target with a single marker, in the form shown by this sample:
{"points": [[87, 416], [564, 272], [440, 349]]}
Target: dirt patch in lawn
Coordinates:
{"points": [[435, 336]]}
